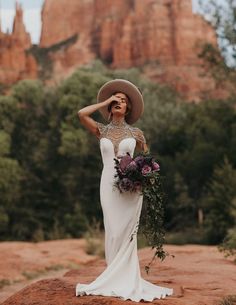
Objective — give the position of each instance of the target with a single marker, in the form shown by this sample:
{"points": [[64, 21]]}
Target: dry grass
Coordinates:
{"points": [[95, 239], [29, 275], [4, 282], [228, 300]]}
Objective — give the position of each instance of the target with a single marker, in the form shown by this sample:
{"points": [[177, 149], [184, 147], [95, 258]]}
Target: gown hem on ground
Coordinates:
{"points": [[113, 294]]}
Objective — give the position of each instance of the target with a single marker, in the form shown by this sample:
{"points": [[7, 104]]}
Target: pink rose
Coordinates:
{"points": [[146, 170], [155, 166]]}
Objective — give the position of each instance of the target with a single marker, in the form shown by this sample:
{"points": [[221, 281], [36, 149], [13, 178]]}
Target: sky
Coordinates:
{"points": [[32, 16]]}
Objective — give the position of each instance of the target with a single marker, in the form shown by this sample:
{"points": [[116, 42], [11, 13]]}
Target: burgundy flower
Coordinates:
{"points": [[155, 166], [132, 165], [125, 161], [139, 161], [146, 169]]}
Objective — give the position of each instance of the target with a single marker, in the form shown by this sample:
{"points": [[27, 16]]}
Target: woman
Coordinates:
{"points": [[121, 103]]}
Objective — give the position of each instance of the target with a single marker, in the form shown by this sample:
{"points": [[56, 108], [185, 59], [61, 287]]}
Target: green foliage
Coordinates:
{"points": [[71, 140], [216, 67], [219, 201], [183, 209], [228, 246], [222, 15], [50, 165], [9, 179], [5, 143], [152, 219], [3, 87], [188, 235]]}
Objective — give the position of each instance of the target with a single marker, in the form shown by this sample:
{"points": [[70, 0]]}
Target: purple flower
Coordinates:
{"points": [[139, 160], [155, 166], [125, 161], [125, 184], [132, 165], [146, 170]]}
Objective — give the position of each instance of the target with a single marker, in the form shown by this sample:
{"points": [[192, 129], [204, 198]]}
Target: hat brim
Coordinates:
{"points": [[128, 88]]}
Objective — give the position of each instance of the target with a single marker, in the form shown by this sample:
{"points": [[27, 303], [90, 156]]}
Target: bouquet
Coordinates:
{"points": [[136, 174], [142, 174]]}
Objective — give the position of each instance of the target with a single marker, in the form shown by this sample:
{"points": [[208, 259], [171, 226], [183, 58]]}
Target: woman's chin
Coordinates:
{"points": [[118, 111]]}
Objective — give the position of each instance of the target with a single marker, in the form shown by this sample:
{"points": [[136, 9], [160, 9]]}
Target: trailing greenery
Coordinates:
{"points": [[152, 219], [142, 174], [50, 165]]}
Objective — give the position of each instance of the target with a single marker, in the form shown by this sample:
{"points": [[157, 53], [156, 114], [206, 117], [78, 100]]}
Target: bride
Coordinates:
{"points": [[121, 104]]}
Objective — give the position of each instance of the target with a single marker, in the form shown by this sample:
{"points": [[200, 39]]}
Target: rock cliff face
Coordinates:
{"points": [[15, 63], [161, 36]]}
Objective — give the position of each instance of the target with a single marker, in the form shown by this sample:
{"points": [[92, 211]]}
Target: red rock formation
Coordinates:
{"points": [[80, 18], [162, 36], [19, 32], [15, 64]]}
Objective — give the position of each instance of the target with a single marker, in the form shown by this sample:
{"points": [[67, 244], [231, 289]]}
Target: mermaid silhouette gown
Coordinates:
{"points": [[121, 213]]}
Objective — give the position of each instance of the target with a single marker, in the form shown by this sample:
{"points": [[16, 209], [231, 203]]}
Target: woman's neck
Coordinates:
{"points": [[119, 121]]}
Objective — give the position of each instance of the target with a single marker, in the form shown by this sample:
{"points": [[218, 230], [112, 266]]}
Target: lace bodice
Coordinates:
{"points": [[118, 132]]}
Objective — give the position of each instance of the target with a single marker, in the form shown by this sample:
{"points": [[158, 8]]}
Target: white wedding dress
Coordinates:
{"points": [[121, 213]]}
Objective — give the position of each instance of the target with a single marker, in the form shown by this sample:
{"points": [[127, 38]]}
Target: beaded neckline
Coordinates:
{"points": [[118, 123], [116, 131]]}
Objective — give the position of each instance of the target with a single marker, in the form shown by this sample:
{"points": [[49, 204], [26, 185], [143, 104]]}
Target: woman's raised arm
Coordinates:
{"points": [[84, 114]]}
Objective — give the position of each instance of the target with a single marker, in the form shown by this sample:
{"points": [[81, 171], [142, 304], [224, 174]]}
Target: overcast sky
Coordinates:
{"points": [[32, 17]]}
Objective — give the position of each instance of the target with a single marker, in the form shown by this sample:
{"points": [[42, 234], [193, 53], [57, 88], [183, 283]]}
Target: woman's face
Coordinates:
{"points": [[121, 106]]}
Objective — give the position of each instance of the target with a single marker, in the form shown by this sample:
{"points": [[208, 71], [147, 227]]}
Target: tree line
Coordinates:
{"points": [[50, 166]]}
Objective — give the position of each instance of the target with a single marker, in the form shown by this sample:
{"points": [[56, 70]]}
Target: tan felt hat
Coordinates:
{"points": [[128, 88]]}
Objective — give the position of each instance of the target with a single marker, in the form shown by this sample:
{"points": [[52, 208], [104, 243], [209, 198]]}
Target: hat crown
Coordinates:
{"points": [[128, 88]]}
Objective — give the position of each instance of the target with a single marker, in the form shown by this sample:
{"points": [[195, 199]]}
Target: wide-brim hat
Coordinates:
{"points": [[128, 88]]}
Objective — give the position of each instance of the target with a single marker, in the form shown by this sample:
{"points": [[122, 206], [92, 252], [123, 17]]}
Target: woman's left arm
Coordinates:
{"points": [[141, 141], [142, 146], [145, 148]]}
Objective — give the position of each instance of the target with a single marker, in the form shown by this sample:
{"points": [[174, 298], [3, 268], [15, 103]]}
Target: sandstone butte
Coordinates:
{"points": [[15, 63], [200, 275], [164, 37]]}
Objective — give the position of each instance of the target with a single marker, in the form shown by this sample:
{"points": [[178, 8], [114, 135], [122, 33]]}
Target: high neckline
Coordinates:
{"points": [[119, 123]]}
